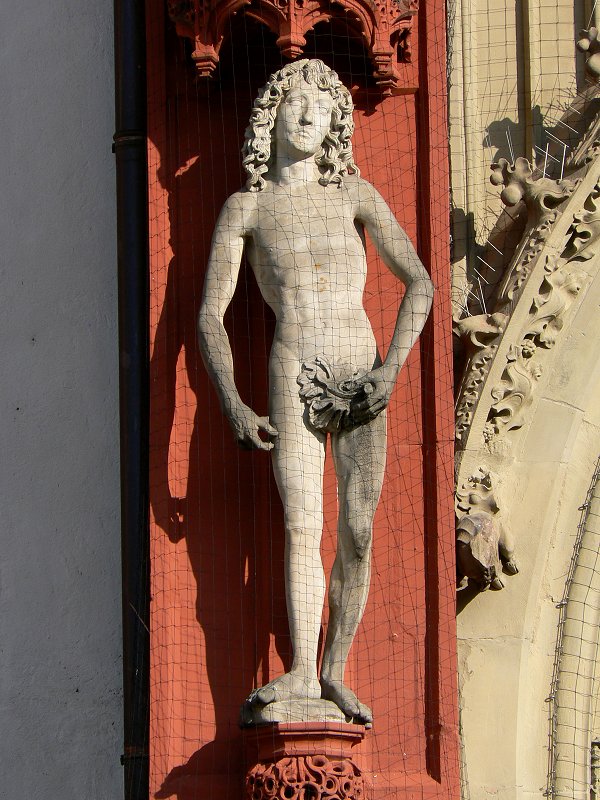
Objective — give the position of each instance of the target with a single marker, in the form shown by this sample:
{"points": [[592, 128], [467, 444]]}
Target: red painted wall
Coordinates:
{"points": [[219, 624]]}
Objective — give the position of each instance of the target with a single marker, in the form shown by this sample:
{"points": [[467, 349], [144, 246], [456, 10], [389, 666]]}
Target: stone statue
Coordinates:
{"points": [[301, 219]]}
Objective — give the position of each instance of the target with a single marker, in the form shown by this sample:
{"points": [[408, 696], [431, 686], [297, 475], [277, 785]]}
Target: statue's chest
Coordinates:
{"points": [[296, 225]]}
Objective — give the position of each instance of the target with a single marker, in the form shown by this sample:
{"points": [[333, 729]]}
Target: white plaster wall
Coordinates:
{"points": [[60, 650]]}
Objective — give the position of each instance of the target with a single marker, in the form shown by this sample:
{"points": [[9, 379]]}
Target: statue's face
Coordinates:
{"points": [[303, 120]]}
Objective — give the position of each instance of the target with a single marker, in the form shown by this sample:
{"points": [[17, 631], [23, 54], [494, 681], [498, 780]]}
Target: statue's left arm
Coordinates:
{"points": [[397, 252]]}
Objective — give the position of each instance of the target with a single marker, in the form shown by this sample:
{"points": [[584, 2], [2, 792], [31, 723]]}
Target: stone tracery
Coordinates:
{"points": [[384, 26]]}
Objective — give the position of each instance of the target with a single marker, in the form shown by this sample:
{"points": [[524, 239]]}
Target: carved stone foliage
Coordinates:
{"points": [[384, 25], [330, 393], [541, 195], [484, 550], [588, 43], [588, 148], [303, 776], [480, 335], [543, 198], [561, 283], [514, 393]]}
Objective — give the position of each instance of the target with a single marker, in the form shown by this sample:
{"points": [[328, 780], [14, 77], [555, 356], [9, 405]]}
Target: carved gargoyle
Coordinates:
{"points": [[484, 549]]}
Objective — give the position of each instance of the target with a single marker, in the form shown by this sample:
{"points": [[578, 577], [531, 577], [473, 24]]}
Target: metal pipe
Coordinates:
{"points": [[132, 254]]}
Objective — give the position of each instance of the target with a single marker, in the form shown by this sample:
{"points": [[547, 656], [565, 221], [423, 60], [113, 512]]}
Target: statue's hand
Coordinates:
{"points": [[246, 425], [377, 390]]}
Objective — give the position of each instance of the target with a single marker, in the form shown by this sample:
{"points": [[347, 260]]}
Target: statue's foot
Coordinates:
{"points": [[291, 686], [346, 701]]}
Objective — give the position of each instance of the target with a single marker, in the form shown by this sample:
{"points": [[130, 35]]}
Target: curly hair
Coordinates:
{"points": [[335, 157]]}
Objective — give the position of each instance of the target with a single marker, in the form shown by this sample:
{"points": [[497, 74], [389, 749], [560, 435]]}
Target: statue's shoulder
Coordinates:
{"points": [[238, 209], [363, 195], [360, 190]]}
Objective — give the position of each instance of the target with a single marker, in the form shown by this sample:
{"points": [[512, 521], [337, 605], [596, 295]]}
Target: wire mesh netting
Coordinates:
{"points": [[308, 268]]}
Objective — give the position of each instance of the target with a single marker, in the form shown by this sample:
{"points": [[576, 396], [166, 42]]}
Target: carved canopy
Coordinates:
{"points": [[384, 26]]}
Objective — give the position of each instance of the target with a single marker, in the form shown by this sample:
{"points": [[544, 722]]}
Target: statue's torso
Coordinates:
{"points": [[309, 261]]}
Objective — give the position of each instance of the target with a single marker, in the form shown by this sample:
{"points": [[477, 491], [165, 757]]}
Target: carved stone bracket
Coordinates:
{"points": [[298, 777], [384, 25], [296, 761]]}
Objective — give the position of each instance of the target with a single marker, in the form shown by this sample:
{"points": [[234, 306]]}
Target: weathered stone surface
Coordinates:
{"points": [[300, 218], [302, 710]]}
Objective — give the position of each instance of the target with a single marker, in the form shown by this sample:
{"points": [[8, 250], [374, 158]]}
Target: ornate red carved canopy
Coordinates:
{"points": [[384, 25]]}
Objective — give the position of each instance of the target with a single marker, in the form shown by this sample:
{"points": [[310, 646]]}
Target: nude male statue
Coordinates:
{"points": [[301, 219]]}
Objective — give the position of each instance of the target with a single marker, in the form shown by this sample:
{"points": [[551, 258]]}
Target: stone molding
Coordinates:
{"points": [[572, 691], [543, 276], [384, 25], [543, 199]]}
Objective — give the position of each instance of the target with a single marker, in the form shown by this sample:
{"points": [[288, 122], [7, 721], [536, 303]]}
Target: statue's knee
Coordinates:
{"points": [[303, 536], [362, 537]]}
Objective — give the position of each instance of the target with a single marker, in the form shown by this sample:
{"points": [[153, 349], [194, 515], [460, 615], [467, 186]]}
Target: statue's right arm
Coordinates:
{"points": [[220, 282]]}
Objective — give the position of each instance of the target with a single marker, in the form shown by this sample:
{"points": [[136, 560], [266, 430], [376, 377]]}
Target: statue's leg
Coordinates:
{"points": [[298, 461], [359, 457]]}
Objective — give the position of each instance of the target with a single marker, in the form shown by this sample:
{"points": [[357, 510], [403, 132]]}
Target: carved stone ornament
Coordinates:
{"points": [[514, 393], [302, 776], [329, 395], [512, 349], [384, 25], [480, 331], [589, 44], [480, 335], [543, 198], [484, 550], [470, 389], [303, 761], [561, 283], [588, 148]]}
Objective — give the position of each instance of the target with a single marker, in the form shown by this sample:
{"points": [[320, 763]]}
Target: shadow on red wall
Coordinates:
{"points": [[217, 520]]}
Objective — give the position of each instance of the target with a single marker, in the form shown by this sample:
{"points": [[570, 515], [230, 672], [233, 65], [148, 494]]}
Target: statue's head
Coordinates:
{"points": [[328, 136]]}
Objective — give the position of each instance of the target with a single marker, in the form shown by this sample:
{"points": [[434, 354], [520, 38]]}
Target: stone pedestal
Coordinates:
{"points": [[303, 761]]}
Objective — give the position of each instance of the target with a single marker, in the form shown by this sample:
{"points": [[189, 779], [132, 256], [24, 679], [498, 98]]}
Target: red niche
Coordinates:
{"points": [[218, 615]]}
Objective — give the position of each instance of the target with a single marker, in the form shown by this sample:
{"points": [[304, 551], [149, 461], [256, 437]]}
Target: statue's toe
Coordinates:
{"points": [[365, 715], [264, 695]]}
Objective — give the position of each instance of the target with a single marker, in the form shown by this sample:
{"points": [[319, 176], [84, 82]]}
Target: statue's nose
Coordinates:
{"points": [[307, 114]]}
